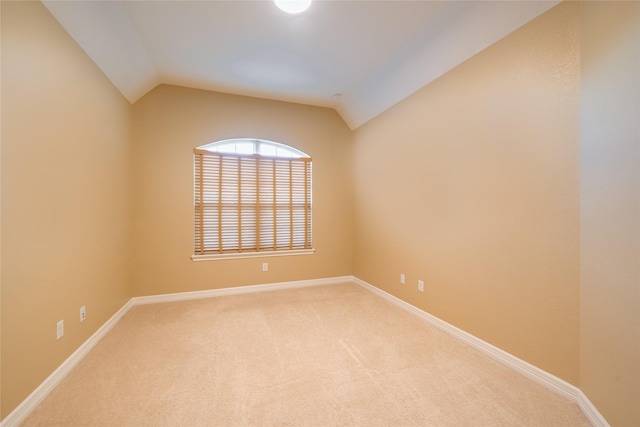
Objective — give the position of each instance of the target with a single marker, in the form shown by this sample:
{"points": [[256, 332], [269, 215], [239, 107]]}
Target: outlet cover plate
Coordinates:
{"points": [[60, 329]]}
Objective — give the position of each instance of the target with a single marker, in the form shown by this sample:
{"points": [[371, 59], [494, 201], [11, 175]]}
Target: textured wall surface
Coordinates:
{"points": [[66, 212], [610, 209], [471, 185]]}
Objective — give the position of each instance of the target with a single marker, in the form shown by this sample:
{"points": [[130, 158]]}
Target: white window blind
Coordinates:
{"points": [[251, 203]]}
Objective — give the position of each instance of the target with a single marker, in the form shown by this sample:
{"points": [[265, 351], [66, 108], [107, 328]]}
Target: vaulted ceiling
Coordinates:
{"points": [[359, 57]]}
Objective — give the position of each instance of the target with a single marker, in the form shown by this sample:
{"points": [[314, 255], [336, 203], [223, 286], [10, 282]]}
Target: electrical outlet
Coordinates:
{"points": [[402, 279], [421, 285], [59, 329], [83, 313], [265, 266]]}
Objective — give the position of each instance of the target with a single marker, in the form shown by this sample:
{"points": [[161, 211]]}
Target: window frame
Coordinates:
{"points": [[204, 211]]}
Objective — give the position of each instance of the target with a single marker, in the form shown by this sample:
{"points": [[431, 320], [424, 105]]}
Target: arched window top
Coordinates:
{"points": [[252, 146]]}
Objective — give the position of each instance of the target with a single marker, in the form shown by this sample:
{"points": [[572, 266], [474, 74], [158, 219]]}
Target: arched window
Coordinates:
{"points": [[251, 197]]}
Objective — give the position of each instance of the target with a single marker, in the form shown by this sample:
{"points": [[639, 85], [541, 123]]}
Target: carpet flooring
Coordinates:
{"points": [[334, 355]]}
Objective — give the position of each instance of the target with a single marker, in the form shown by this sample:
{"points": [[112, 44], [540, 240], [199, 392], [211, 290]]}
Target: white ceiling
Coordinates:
{"points": [[373, 53]]}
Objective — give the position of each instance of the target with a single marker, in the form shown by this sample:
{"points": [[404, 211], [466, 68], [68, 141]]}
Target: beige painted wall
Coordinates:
{"points": [[65, 197], [471, 184], [610, 209], [169, 122]]}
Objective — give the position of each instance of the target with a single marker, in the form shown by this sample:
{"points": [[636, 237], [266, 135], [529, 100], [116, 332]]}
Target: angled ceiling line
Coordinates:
{"points": [[374, 53]]}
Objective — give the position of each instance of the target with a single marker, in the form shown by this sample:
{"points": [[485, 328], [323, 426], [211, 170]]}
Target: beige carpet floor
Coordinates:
{"points": [[321, 356]]}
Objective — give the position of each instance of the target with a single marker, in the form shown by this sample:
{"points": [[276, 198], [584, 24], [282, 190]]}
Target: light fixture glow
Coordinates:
{"points": [[293, 6]]}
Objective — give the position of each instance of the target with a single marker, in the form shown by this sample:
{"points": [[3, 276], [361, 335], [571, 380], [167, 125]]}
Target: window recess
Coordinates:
{"points": [[251, 204]]}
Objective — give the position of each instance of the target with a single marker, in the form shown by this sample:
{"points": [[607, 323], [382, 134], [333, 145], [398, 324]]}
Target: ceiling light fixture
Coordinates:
{"points": [[293, 6]]}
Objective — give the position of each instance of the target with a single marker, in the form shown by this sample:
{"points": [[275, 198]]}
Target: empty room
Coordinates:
{"points": [[420, 213]]}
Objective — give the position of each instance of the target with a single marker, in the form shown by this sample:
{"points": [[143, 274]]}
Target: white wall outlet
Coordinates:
{"points": [[60, 329], [421, 285], [265, 266], [402, 279], [83, 313]]}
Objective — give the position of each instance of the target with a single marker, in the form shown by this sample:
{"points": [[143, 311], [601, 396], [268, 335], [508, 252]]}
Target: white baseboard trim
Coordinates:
{"points": [[589, 410], [183, 296], [534, 373], [25, 408], [544, 378]]}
